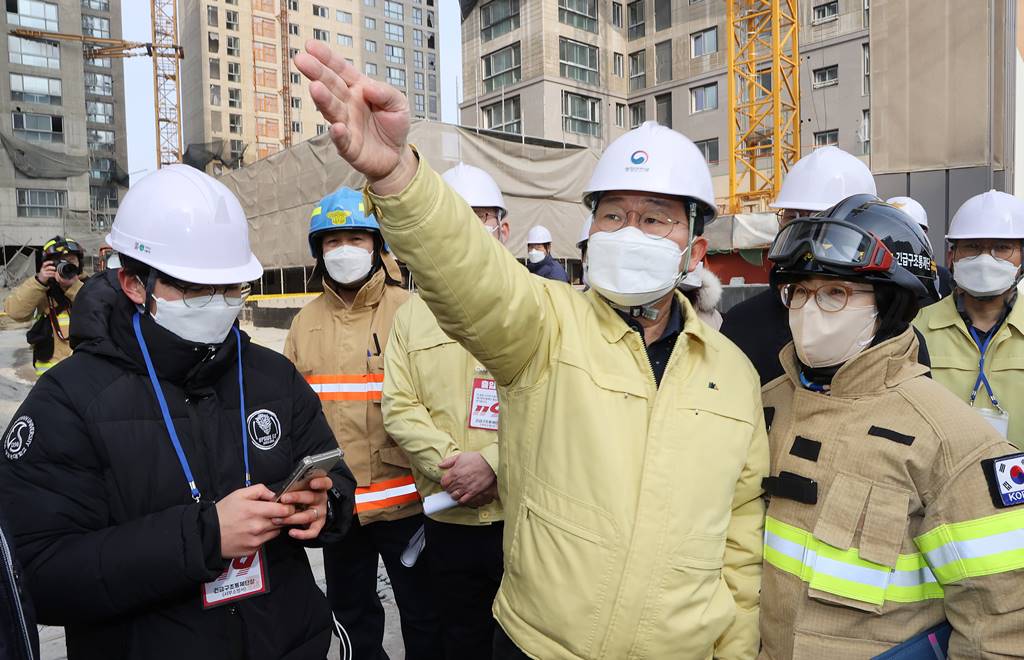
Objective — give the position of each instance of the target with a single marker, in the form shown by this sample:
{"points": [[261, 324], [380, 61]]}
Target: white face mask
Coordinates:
{"points": [[825, 339], [694, 279], [209, 324], [630, 268], [535, 256], [984, 275], [348, 264]]}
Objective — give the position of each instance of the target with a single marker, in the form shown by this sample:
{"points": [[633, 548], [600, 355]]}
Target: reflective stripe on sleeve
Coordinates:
{"points": [[843, 572], [347, 387], [984, 546], [386, 494]]}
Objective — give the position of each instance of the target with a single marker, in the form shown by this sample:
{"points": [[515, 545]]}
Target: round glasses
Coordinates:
{"points": [[1002, 250], [831, 297], [652, 223], [199, 296]]}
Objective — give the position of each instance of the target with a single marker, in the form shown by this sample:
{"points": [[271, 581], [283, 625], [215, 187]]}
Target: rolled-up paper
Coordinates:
{"points": [[438, 502]]}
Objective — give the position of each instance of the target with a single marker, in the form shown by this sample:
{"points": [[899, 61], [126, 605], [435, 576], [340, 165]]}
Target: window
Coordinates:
{"points": [[234, 72], [704, 98], [266, 77], [33, 53], [231, 20], [432, 106], [295, 78], [637, 70], [662, 15], [370, 23], [431, 59], [321, 129], [370, 69], [234, 46], [234, 97], [215, 95], [396, 76], [343, 16], [867, 13], [431, 82], [394, 32], [41, 203], [320, 12], [504, 116], [102, 197], [502, 68], [663, 62], [417, 16], [663, 109], [620, 115], [296, 127], [267, 102], [292, 52], [577, 61], [637, 113], [38, 128], [618, 64], [345, 39], [99, 83], [417, 38], [264, 27], [417, 80], [370, 3], [235, 123], [264, 53], [96, 5], [617, 14], [498, 17], [99, 112], [215, 68], [213, 42], [866, 69], [321, 35], [635, 14], [581, 114], [269, 127], [709, 149], [865, 131], [704, 42], [394, 10], [293, 5], [764, 81], [94, 26], [264, 149], [828, 11], [826, 76], [371, 46], [35, 89], [581, 14], [828, 138], [32, 14], [394, 54], [417, 59], [102, 62], [419, 103], [237, 148], [101, 168], [99, 140]]}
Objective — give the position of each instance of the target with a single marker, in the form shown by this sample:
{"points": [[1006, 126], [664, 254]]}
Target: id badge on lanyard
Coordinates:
{"points": [[243, 578], [998, 418], [483, 405]]}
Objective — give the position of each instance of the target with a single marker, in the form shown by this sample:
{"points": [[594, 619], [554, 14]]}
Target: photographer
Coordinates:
{"points": [[48, 297]]}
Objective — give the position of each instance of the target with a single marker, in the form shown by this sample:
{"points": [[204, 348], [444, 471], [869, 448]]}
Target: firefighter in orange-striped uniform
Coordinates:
{"points": [[337, 342]]}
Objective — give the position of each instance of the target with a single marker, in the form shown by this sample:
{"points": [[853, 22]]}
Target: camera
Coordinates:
{"points": [[67, 270]]}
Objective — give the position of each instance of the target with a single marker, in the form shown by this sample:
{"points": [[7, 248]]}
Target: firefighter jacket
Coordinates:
{"points": [[339, 350], [881, 523], [437, 402], [28, 301], [633, 512], [955, 359]]}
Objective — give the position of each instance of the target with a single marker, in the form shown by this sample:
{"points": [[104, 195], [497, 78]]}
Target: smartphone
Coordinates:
{"points": [[308, 469]]}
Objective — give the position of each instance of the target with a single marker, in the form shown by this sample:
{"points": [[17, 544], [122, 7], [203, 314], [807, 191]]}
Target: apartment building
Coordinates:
{"points": [[243, 99], [67, 121]]}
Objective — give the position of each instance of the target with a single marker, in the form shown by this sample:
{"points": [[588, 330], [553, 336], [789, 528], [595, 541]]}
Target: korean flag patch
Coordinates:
{"points": [[1005, 476]]}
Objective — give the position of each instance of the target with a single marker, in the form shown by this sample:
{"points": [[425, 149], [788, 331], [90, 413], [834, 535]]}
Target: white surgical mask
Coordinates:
{"points": [[535, 256], [984, 275], [825, 339], [630, 268], [209, 324], [694, 279], [348, 264]]}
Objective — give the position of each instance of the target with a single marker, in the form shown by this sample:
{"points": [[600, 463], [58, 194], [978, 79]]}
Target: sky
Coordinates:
{"points": [[139, 79]]}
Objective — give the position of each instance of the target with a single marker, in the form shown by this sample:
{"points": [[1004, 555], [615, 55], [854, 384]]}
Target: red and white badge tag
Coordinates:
{"points": [[244, 578], [483, 406]]}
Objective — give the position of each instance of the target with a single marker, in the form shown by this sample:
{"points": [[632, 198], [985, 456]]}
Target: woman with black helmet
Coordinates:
{"points": [[889, 510]]}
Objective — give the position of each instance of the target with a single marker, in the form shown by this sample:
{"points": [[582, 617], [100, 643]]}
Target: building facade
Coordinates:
{"points": [[66, 110], [237, 74]]}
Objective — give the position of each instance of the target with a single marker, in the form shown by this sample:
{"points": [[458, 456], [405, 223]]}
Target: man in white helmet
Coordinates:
{"points": [[538, 255], [440, 405], [139, 474], [632, 434], [977, 334], [913, 208], [818, 181]]}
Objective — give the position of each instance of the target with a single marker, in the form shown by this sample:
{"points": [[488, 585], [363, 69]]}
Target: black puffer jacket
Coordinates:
{"points": [[548, 269], [114, 547]]}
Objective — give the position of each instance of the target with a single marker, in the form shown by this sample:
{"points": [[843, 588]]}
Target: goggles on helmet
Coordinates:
{"points": [[66, 246], [831, 242]]}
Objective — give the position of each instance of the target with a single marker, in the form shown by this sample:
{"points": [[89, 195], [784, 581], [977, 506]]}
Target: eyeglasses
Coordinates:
{"points": [[1003, 250], [199, 296], [831, 297], [788, 215], [652, 223], [486, 215]]}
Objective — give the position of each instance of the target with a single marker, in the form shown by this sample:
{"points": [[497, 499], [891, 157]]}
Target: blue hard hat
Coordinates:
{"points": [[342, 209]]}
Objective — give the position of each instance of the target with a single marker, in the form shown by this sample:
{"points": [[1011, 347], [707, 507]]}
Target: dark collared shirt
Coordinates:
{"points": [[659, 352]]}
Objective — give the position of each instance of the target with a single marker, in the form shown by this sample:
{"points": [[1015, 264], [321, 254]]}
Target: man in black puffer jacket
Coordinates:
{"points": [[117, 544]]}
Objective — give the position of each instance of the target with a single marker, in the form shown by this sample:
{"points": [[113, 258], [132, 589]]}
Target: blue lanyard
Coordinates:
{"points": [[982, 378], [167, 414]]}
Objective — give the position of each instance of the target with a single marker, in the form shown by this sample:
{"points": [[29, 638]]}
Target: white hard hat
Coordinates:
{"points": [[185, 224], [989, 215], [538, 234], [654, 158], [475, 186], [911, 207], [822, 179], [585, 232]]}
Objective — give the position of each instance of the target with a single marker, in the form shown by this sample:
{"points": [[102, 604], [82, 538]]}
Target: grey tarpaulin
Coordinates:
{"points": [[40, 163], [541, 185]]}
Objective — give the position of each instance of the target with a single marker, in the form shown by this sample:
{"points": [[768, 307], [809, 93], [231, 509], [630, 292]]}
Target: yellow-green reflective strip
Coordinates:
{"points": [[984, 546], [843, 572]]}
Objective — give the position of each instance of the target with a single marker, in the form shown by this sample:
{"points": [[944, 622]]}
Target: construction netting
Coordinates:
{"points": [[37, 162], [200, 154]]}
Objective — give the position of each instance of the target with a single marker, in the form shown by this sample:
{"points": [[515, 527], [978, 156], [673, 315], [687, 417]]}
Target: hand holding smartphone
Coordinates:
{"points": [[308, 469]]}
